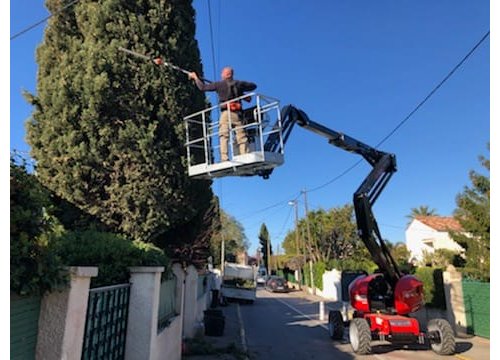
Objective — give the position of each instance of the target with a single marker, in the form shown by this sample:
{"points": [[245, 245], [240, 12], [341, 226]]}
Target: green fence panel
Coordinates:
{"points": [[24, 313], [166, 308], [106, 323], [477, 307]]}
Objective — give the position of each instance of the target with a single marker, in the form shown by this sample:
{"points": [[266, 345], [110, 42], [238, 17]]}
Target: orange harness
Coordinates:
{"points": [[234, 106]]}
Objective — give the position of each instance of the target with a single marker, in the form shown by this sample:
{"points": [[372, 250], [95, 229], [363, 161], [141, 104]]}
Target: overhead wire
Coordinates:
{"points": [[211, 38], [43, 20], [284, 223], [396, 128], [401, 123]]}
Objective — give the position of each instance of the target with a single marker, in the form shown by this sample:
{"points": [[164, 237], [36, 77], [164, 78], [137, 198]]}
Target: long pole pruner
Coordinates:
{"points": [[163, 62]]}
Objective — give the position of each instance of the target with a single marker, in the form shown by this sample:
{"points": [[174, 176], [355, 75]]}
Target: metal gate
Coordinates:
{"points": [[106, 323]]}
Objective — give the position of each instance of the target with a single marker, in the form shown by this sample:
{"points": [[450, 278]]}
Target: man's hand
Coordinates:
{"points": [[158, 61], [193, 75]]}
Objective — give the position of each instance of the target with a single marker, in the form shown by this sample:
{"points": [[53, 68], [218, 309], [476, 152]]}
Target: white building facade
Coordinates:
{"points": [[429, 233]]}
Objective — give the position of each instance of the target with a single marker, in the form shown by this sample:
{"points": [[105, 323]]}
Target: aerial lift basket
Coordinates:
{"points": [[260, 121]]}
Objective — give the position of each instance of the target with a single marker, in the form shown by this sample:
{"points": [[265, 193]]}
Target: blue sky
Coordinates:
{"points": [[356, 67]]}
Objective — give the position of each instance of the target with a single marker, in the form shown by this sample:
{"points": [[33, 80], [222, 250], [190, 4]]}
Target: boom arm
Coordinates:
{"points": [[384, 165]]}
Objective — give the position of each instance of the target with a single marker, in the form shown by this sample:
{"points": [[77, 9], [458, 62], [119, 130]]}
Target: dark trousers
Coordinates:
{"points": [[215, 298]]}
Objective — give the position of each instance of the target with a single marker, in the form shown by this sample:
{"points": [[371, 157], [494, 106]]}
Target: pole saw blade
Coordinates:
{"points": [[149, 58]]}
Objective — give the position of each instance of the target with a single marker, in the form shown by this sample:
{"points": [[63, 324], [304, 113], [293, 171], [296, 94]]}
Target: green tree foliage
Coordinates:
{"points": [[233, 234], [432, 279], [441, 258], [473, 213], [107, 130], [333, 233], [401, 255], [265, 241], [34, 268]]}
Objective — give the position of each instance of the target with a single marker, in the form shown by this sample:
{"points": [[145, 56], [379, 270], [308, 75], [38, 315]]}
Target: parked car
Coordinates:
{"points": [[277, 284], [261, 276]]}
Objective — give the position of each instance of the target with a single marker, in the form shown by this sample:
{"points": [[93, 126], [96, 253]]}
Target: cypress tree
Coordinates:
{"points": [[107, 130], [265, 243]]}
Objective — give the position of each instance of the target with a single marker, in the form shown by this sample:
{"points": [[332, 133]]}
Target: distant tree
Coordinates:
{"points": [[399, 252], [265, 241], [233, 234], [341, 240], [473, 213], [334, 236], [107, 130], [422, 210]]}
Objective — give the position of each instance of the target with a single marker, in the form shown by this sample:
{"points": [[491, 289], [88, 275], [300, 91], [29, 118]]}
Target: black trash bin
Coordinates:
{"points": [[214, 322]]}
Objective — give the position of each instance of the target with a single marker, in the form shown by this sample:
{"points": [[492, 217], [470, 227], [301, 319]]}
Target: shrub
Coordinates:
{"points": [[351, 264], [34, 268], [318, 271], [433, 286], [112, 254]]}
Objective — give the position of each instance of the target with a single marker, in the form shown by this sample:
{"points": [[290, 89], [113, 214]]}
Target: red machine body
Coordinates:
{"points": [[394, 328], [372, 293], [408, 295]]}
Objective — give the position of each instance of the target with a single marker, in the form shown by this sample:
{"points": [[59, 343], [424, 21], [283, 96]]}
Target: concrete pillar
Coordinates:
{"points": [[142, 323], [61, 325], [455, 306], [190, 302], [180, 275]]}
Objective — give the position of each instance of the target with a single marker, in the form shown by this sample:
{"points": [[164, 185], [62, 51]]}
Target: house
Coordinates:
{"points": [[429, 233]]}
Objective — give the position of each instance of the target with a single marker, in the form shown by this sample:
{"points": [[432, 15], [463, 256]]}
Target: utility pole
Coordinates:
{"points": [[268, 243], [309, 241], [222, 256], [299, 272]]}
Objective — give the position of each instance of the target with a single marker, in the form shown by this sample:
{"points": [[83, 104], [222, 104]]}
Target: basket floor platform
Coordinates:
{"points": [[248, 164]]}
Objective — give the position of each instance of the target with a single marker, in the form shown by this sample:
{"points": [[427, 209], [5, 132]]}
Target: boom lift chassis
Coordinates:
{"points": [[383, 300]]}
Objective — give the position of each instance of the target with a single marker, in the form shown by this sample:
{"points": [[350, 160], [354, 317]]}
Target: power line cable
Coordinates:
{"points": [[219, 17], [440, 84], [211, 37], [43, 20], [282, 202], [284, 224], [436, 88]]}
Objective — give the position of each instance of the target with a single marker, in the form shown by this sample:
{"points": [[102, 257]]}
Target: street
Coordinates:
{"points": [[287, 326]]}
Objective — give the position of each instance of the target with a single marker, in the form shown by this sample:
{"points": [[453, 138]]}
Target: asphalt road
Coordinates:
{"points": [[287, 326]]}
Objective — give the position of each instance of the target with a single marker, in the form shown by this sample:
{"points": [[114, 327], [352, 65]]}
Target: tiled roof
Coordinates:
{"points": [[440, 223]]}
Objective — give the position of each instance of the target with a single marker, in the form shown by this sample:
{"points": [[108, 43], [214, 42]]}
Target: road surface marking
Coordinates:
{"points": [[376, 356], [242, 331], [301, 313]]}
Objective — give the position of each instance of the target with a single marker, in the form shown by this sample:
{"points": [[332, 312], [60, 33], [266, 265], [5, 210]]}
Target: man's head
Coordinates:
{"points": [[227, 73]]}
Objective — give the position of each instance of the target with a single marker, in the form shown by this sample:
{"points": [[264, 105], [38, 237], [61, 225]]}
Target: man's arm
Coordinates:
{"points": [[247, 86], [200, 84]]}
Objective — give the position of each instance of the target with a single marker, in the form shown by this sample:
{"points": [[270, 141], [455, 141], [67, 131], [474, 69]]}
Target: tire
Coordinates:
{"points": [[441, 337], [360, 336], [335, 325]]}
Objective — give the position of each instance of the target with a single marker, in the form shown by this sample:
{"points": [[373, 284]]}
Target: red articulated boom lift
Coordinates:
{"points": [[383, 300]]}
